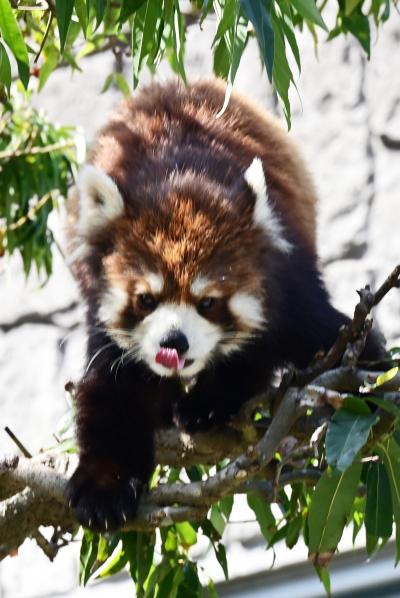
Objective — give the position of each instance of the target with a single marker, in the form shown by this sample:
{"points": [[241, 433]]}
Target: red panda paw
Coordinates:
{"points": [[103, 505]]}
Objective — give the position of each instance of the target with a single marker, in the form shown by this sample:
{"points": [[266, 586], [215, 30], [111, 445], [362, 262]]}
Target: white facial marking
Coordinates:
{"points": [[155, 282], [112, 303], [264, 214], [202, 336], [100, 199], [248, 309], [202, 286]]}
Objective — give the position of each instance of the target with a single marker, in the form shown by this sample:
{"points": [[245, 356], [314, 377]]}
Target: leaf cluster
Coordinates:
{"points": [[36, 161], [62, 32]]}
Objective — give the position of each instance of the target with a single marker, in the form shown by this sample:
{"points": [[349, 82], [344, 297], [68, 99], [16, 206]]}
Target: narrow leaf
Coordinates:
{"points": [[347, 434], [88, 555], [129, 7], [330, 507], [14, 40], [390, 454], [282, 74], [64, 10], [358, 24], [5, 68], [308, 9], [379, 510], [258, 12], [81, 13], [263, 513], [186, 533]]}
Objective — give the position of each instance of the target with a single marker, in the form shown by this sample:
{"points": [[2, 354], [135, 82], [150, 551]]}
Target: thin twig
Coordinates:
{"points": [[46, 33], [19, 444], [38, 149]]}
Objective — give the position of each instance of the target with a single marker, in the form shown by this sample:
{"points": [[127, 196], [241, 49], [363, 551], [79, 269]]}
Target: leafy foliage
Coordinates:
{"points": [[36, 159], [63, 31]]}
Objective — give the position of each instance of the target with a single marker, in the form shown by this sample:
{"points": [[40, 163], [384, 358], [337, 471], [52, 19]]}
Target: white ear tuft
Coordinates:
{"points": [[99, 199], [264, 215]]}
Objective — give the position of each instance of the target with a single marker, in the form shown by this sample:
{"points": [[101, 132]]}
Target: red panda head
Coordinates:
{"points": [[182, 264]]}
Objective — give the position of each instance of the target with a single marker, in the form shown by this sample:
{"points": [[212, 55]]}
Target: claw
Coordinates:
{"points": [[90, 522], [124, 517], [106, 524], [132, 485]]}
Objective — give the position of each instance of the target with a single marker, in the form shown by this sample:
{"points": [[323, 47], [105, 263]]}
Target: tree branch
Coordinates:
{"points": [[31, 489]]}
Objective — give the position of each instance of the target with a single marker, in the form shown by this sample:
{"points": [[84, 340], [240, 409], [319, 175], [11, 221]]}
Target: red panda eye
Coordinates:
{"points": [[147, 301], [206, 303]]}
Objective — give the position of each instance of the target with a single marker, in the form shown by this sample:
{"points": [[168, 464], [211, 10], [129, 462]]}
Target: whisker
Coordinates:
{"points": [[99, 352]]}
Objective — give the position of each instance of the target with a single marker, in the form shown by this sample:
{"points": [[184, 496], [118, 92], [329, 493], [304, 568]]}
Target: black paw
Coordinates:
{"points": [[103, 505]]}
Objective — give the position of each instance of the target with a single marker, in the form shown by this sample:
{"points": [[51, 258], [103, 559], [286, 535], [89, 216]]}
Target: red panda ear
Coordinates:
{"points": [[264, 215], [99, 200]]}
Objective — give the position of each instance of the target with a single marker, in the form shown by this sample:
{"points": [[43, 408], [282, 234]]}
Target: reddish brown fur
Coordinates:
{"points": [[148, 120]]}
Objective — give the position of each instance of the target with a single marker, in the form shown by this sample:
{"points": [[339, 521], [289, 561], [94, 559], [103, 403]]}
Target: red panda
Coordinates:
{"points": [[193, 241]]}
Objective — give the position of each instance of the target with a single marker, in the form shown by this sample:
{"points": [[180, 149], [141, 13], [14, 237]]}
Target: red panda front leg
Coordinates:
{"points": [[115, 436]]}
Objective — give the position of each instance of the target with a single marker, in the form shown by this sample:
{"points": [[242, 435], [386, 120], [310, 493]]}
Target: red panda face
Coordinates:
{"points": [[182, 282]]}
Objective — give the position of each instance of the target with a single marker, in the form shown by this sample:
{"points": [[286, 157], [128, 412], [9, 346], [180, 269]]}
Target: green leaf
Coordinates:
{"points": [[100, 8], [258, 12], [378, 511], [324, 577], [358, 24], [263, 513], [387, 405], [331, 505], [291, 37], [14, 40], [226, 17], [390, 454], [281, 74], [386, 377], [186, 533], [356, 405], [350, 5], [190, 586], [220, 553], [5, 68], [64, 10], [48, 67], [88, 555], [178, 46], [217, 519], [144, 555], [115, 563], [128, 8], [122, 84], [143, 34], [347, 434], [81, 13], [226, 505], [293, 531], [308, 9]]}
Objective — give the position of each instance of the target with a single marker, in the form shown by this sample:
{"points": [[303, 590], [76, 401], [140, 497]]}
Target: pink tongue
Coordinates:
{"points": [[169, 358]]}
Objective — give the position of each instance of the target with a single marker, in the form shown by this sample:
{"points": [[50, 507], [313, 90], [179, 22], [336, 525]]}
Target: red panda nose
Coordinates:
{"points": [[175, 339]]}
